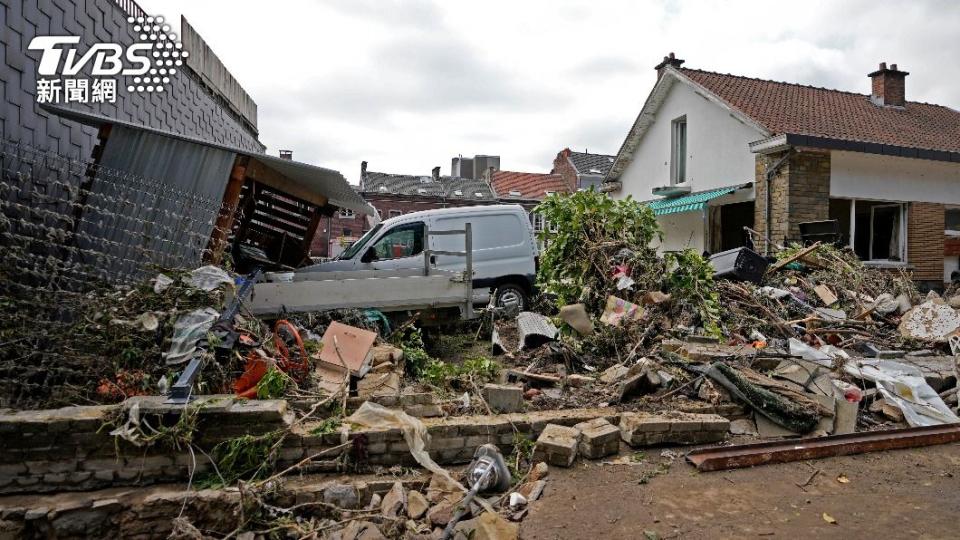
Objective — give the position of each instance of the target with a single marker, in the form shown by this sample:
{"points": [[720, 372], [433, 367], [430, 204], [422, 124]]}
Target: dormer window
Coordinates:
{"points": [[478, 194], [382, 189], [678, 154], [514, 193], [458, 193], [425, 179], [421, 191]]}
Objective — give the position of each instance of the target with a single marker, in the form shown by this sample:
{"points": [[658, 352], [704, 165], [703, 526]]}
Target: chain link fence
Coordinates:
{"points": [[70, 233]]}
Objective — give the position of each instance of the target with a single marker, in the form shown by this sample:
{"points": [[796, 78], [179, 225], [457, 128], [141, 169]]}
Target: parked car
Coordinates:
{"points": [[504, 249]]}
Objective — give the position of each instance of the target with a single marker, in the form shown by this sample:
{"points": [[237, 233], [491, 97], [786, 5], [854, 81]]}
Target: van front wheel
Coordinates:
{"points": [[509, 294]]}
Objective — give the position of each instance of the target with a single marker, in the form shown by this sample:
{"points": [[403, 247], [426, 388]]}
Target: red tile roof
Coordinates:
{"points": [[806, 110], [530, 185]]}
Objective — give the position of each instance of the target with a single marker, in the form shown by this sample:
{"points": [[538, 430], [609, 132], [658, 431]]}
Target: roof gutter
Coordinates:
{"points": [[781, 142]]}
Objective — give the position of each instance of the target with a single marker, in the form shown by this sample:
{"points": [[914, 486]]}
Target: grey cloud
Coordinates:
{"points": [[394, 13], [605, 66], [419, 74]]}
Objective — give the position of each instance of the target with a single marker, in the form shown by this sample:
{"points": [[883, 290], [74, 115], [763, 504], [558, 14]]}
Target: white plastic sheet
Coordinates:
{"points": [[904, 386], [374, 416], [207, 278], [186, 331]]}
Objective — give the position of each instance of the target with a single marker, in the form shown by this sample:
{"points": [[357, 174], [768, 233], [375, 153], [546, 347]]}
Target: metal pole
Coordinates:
{"points": [[468, 248]]}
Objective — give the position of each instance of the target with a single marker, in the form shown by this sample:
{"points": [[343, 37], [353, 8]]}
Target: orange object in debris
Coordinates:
{"points": [[296, 368], [256, 368], [759, 344]]}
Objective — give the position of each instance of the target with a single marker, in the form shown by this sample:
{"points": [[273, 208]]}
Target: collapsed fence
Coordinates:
{"points": [[67, 224], [69, 227]]}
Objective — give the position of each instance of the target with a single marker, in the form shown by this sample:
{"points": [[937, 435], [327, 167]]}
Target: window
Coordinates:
{"points": [[346, 213], [876, 230], [395, 213], [515, 193], [952, 221], [678, 154], [346, 231], [401, 241], [537, 221]]}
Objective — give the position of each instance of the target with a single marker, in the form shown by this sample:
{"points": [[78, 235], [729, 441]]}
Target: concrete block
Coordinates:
{"points": [[642, 429], [557, 445], [598, 438], [503, 398]]}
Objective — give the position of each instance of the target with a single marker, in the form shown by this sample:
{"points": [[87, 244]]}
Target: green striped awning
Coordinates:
{"points": [[688, 203]]}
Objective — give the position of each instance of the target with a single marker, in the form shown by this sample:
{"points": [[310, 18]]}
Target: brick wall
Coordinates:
{"points": [[563, 167], [69, 450], [186, 107], [925, 241], [800, 192]]}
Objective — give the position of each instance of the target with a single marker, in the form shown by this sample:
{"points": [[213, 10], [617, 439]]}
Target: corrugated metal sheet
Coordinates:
{"points": [[688, 203], [157, 199], [326, 182]]}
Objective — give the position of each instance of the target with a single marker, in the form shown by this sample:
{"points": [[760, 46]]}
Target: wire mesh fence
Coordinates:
{"points": [[78, 243], [70, 225]]}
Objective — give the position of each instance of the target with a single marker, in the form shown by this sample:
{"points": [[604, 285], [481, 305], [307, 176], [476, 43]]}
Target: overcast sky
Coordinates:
{"points": [[406, 85]]}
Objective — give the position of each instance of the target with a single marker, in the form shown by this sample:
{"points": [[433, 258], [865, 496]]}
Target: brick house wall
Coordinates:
{"points": [[186, 107], [951, 246], [925, 241], [800, 192], [385, 204], [563, 167]]}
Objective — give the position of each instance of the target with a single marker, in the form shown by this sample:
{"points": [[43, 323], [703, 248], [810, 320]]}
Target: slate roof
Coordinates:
{"points": [[424, 186], [530, 185], [591, 163], [807, 110]]}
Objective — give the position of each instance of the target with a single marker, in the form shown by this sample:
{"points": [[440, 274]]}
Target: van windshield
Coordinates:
{"points": [[351, 251]]}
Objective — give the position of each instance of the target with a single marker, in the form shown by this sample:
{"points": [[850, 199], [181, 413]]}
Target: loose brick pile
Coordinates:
{"points": [[642, 429]]}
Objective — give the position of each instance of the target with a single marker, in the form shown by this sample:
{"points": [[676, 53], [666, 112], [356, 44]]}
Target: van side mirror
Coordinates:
{"points": [[369, 256]]}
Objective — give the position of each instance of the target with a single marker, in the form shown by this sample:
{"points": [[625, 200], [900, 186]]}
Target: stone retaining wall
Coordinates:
{"points": [[71, 449]]}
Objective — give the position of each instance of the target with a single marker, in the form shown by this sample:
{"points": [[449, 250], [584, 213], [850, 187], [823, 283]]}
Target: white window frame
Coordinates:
{"points": [[678, 151], [904, 214], [346, 213], [394, 213]]}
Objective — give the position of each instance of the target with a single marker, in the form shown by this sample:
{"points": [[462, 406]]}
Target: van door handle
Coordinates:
{"points": [[433, 259]]}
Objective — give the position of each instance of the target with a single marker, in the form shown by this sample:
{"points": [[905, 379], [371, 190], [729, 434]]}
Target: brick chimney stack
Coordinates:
{"points": [[363, 173], [889, 86], [669, 60], [436, 174]]}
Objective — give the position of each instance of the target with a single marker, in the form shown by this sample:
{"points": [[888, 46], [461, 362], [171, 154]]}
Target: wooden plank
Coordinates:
{"points": [[271, 178], [796, 256], [275, 221], [224, 223]]}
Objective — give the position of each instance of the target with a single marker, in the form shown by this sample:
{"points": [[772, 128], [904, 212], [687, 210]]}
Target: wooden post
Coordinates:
{"points": [[231, 198]]}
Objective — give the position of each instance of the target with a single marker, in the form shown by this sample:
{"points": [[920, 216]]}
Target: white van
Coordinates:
{"points": [[504, 249]]}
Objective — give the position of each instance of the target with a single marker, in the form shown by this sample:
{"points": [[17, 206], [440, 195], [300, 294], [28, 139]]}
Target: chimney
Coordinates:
{"points": [[286, 154], [436, 174], [363, 174], [889, 86], [669, 60]]}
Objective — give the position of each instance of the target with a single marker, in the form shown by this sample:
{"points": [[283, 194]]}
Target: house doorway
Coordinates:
{"points": [[727, 223]]}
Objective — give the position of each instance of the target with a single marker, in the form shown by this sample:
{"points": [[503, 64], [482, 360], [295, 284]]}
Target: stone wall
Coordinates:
{"points": [[800, 192], [70, 449]]}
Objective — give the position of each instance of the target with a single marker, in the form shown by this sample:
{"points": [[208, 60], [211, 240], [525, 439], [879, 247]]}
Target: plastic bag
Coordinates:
{"points": [[207, 278], [374, 416], [186, 331], [904, 386], [161, 282]]}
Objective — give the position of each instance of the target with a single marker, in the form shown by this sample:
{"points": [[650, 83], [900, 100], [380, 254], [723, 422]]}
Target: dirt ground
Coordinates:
{"points": [[897, 494]]}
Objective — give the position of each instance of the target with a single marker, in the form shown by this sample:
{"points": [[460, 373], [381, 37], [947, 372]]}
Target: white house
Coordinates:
{"points": [[886, 171]]}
